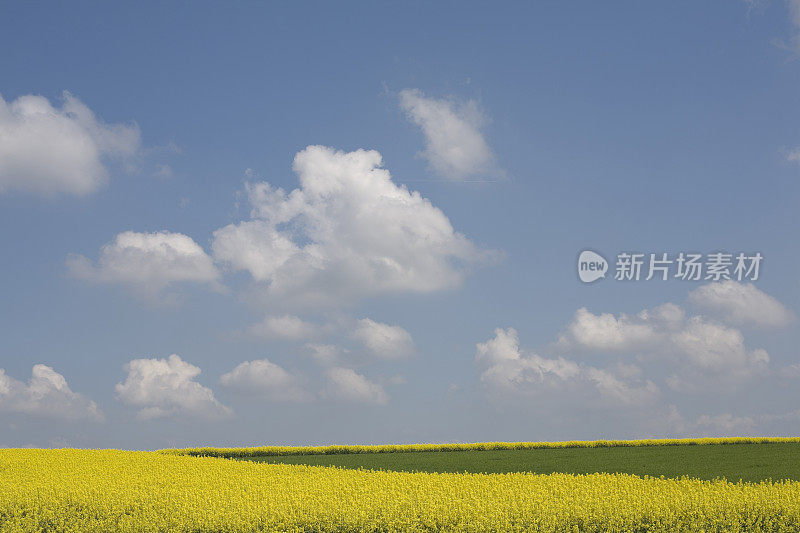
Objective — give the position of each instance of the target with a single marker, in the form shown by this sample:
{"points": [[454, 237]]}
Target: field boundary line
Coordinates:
{"points": [[477, 446]]}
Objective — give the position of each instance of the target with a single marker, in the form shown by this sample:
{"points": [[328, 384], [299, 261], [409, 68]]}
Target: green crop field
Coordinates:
{"points": [[734, 462]]}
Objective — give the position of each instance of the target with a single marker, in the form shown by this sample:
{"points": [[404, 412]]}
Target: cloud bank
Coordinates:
{"points": [[703, 354], [507, 370]]}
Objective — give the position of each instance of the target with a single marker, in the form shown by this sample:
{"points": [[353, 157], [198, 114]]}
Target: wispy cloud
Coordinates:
{"points": [[455, 147]]}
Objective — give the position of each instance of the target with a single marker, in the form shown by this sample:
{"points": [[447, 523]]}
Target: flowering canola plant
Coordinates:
{"points": [[128, 491]]}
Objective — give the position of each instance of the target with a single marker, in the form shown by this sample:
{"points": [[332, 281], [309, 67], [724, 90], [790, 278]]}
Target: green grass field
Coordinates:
{"points": [[746, 462]]}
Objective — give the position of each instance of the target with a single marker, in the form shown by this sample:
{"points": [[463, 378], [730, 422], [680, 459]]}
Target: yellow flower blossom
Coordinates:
{"points": [[127, 491]]}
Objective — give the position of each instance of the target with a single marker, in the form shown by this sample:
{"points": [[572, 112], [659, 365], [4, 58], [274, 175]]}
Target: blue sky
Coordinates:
{"points": [[450, 162]]}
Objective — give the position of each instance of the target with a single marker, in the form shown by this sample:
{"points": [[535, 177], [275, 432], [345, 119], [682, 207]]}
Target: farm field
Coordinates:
{"points": [[109, 490], [734, 462]]}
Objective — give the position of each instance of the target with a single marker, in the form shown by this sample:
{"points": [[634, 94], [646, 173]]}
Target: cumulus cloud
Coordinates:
{"points": [[162, 388], [345, 384], [741, 304], [382, 340], [49, 150], [288, 327], [505, 369], [347, 232], [147, 262], [605, 332], [716, 356], [255, 246], [709, 345], [455, 147], [46, 394], [263, 378], [694, 354], [703, 353]]}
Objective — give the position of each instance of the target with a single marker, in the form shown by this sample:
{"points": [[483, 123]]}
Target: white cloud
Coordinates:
{"points": [[711, 368], [666, 316], [455, 147], [347, 232], [263, 378], [147, 262], [794, 13], [347, 385], [46, 394], [724, 424], [163, 171], [382, 340], [46, 150], [284, 327], [606, 333], [323, 354], [741, 304], [727, 424], [793, 43], [714, 346], [703, 353], [793, 155], [505, 369], [167, 388], [621, 388], [790, 372], [255, 246]]}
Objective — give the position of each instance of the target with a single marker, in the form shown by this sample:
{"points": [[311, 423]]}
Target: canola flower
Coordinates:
{"points": [[390, 448], [110, 490]]}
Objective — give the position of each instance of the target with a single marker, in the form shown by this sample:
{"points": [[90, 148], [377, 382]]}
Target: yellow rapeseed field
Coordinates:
{"points": [[108, 490]]}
